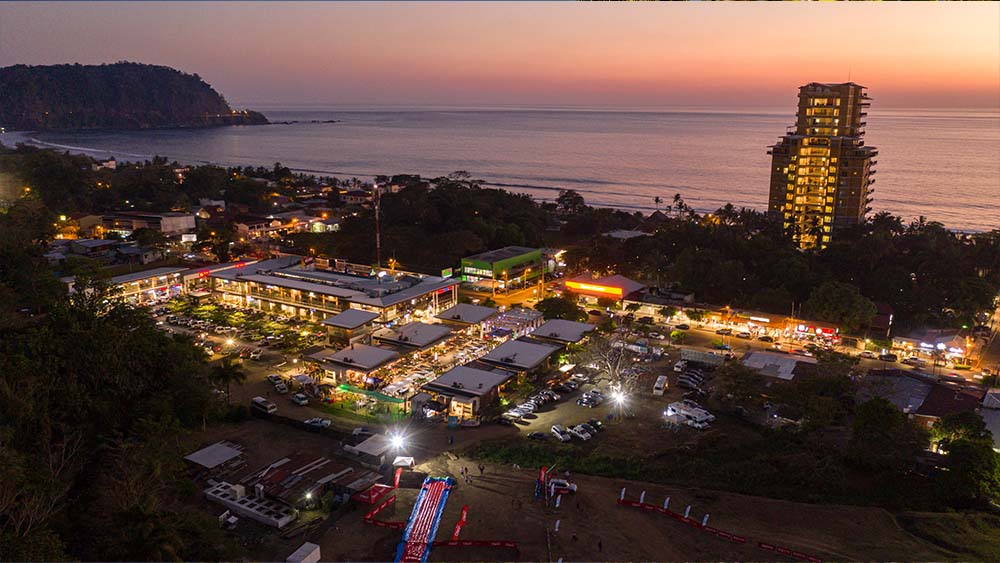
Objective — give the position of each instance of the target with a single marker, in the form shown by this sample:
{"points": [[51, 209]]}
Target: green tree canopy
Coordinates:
{"points": [[738, 384], [973, 473], [842, 304], [883, 439], [561, 308], [959, 426]]}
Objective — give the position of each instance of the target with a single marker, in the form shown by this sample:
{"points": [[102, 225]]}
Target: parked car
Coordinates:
{"points": [[318, 422], [560, 433], [571, 384], [256, 354], [596, 424], [699, 379], [528, 406], [688, 384], [562, 486], [579, 432], [744, 335], [590, 429], [300, 399], [275, 378], [888, 357], [537, 436], [724, 331], [696, 424], [595, 312], [682, 327], [680, 366], [281, 388], [721, 346], [560, 388], [551, 394], [263, 405], [915, 362], [587, 402], [868, 354], [765, 338]]}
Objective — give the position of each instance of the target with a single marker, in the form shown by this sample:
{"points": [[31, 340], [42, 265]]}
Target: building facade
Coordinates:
{"points": [[169, 223], [821, 170], [503, 267], [285, 286]]}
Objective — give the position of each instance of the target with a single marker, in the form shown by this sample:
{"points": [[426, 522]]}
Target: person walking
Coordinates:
{"points": [[482, 468], [599, 545]]}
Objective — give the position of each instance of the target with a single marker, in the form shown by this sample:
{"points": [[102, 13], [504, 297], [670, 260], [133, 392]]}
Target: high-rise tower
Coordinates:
{"points": [[821, 170]]}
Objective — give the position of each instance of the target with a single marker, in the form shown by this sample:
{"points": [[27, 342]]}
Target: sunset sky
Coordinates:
{"points": [[571, 54]]}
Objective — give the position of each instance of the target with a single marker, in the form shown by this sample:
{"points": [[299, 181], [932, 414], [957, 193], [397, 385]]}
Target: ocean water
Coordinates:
{"points": [[942, 164]]}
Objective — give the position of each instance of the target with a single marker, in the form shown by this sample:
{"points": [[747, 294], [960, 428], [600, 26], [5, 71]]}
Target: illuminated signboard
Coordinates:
{"points": [[579, 286], [760, 319]]}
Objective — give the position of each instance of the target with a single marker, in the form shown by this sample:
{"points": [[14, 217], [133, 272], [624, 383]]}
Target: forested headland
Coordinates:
{"points": [[122, 95]]}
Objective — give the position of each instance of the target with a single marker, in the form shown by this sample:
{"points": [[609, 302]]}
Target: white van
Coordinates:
{"points": [[680, 366], [263, 405], [660, 385]]}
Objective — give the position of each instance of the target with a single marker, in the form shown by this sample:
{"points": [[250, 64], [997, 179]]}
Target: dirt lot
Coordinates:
{"points": [[501, 506]]}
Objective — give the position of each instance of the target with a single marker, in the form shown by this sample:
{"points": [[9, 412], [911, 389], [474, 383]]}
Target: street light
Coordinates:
{"points": [[397, 441]]}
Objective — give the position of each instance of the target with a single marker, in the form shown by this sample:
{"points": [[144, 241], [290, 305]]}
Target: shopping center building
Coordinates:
{"points": [[286, 286], [510, 266]]}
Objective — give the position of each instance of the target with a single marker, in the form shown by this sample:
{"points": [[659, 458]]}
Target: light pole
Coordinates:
{"points": [[378, 229]]}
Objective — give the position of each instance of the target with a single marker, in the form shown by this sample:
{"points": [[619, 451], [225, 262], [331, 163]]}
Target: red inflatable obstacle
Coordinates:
{"points": [[422, 525]]}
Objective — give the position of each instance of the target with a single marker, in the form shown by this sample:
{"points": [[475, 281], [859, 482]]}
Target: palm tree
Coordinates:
{"points": [[657, 201], [227, 372]]}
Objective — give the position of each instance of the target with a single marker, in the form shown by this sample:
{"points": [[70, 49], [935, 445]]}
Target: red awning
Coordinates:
{"points": [[372, 495]]}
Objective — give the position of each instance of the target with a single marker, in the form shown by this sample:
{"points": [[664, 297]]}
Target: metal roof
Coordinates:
{"points": [[350, 318], [467, 313]]}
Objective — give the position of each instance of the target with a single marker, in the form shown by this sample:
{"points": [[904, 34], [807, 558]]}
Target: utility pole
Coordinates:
{"points": [[378, 229]]}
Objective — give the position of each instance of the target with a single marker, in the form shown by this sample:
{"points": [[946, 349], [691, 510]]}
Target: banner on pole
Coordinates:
{"points": [[461, 523]]}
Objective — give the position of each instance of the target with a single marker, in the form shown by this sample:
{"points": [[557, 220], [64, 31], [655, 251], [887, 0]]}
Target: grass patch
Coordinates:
{"points": [[772, 464], [970, 535]]}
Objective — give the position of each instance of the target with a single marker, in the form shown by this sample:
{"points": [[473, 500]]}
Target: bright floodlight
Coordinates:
{"points": [[309, 495], [230, 342], [618, 397], [397, 441]]}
